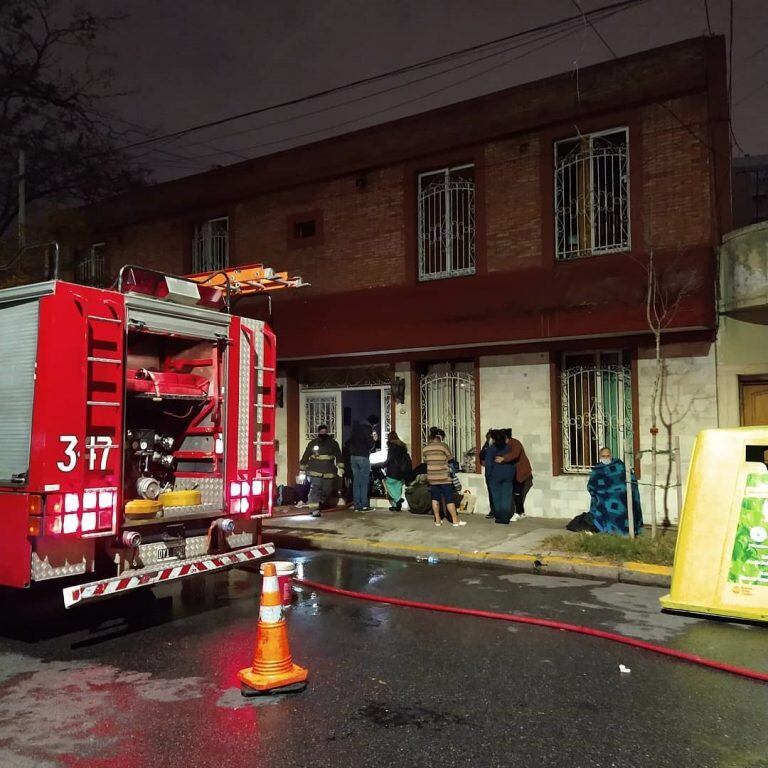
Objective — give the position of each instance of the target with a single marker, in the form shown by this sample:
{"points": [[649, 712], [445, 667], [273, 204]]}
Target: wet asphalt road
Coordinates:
{"points": [[150, 680]]}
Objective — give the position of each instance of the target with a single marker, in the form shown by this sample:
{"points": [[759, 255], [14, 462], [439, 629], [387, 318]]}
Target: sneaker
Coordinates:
{"points": [[461, 522], [300, 504], [316, 513], [439, 524], [367, 509], [490, 516], [516, 517]]}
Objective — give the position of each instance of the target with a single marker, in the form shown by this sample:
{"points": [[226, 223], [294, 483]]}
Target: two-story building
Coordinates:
{"points": [[492, 254]]}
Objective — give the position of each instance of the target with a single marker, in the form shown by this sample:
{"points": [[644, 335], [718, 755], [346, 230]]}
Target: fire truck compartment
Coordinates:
{"points": [[173, 420], [19, 322]]}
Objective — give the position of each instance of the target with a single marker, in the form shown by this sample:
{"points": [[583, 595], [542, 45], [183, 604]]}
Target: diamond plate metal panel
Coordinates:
{"points": [[195, 546], [211, 490], [56, 558]]}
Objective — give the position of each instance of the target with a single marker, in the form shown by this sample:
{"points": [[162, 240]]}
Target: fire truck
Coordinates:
{"points": [[137, 430]]}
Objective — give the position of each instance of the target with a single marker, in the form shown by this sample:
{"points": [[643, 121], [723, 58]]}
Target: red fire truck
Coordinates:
{"points": [[137, 430]]}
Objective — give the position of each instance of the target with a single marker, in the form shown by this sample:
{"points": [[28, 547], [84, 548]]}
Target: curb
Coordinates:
{"points": [[645, 574]]}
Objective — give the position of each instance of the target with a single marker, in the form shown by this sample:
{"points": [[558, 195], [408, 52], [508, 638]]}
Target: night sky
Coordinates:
{"points": [[191, 61]]}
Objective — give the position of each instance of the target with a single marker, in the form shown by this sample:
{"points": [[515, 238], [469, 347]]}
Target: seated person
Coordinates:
{"points": [[607, 485]]}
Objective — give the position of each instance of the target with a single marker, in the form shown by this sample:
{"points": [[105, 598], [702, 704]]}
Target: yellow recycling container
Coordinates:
{"points": [[721, 558]]}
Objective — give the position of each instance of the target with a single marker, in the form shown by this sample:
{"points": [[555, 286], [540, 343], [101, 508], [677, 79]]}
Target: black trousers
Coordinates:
{"points": [[519, 492]]}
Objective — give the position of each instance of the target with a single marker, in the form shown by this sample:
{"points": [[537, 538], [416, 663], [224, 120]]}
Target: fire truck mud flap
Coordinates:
{"points": [[162, 573]]}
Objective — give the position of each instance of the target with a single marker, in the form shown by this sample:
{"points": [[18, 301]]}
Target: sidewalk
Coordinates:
{"points": [[518, 546]]}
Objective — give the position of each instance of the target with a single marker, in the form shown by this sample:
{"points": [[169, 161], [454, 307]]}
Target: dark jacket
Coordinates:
{"points": [[495, 472], [322, 458], [517, 456], [361, 442], [398, 463]]}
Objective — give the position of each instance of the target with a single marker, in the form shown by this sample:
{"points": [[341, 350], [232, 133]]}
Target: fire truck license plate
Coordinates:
{"points": [[172, 549]]}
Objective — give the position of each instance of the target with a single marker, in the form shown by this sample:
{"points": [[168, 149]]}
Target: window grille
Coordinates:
{"points": [[210, 245], [320, 409], [448, 402], [91, 269], [592, 194], [596, 400], [446, 223]]}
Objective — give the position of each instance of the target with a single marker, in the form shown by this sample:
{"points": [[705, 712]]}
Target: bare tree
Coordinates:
{"points": [[662, 302], [53, 105]]}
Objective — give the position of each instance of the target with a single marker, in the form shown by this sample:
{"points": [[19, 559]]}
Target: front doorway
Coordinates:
{"points": [[340, 408], [754, 402]]}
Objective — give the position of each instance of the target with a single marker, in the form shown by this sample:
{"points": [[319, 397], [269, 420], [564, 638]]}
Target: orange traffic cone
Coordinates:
{"points": [[273, 670]]}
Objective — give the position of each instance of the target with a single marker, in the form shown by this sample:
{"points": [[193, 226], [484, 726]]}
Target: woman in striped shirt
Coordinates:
{"points": [[437, 454]]}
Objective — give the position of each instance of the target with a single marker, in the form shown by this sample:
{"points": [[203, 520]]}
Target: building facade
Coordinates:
{"points": [[492, 257]]}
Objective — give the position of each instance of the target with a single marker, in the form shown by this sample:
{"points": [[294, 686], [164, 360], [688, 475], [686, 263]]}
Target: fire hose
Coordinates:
{"points": [[691, 658]]}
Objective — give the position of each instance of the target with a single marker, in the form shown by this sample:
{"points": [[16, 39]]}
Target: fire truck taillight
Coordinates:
{"points": [[247, 496], [66, 516], [35, 509]]}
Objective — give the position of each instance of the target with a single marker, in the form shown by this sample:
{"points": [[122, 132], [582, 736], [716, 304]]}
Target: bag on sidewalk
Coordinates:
{"points": [[581, 523], [418, 499], [467, 505]]}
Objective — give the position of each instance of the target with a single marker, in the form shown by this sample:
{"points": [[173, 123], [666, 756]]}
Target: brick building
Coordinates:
{"points": [[492, 254]]}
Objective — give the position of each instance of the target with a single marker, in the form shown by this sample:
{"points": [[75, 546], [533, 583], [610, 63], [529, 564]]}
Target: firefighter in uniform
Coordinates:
{"points": [[321, 461]]}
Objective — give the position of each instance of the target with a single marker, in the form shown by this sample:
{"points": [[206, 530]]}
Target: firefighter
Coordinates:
{"points": [[321, 461]]}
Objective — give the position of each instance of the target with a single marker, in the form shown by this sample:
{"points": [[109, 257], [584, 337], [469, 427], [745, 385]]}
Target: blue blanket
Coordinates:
{"points": [[608, 488]]}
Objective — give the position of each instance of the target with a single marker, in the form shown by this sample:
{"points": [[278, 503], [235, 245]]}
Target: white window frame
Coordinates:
{"points": [[210, 250], [457, 236], [597, 204], [91, 270], [585, 433], [333, 417], [448, 401]]}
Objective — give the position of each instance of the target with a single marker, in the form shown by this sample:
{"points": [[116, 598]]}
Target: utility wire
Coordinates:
{"points": [[674, 114], [389, 89], [364, 81], [553, 36], [706, 10], [617, 58]]}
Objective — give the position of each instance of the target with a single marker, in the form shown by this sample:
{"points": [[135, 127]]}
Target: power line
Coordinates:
{"points": [[551, 37], [391, 73], [389, 108], [626, 69], [554, 39], [706, 10], [380, 92], [677, 117]]}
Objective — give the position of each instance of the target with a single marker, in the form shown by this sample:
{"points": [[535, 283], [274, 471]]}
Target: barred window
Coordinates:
{"points": [[446, 222], [592, 194], [596, 400], [320, 408], [91, 268], [210, 245], [448, 402]]}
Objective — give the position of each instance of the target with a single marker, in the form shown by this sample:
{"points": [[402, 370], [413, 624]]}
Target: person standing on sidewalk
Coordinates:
{"points": [[361, 443], [500, 476], [397, 466], [483, 451], [523, 479], [437, 454], [321, 462]]}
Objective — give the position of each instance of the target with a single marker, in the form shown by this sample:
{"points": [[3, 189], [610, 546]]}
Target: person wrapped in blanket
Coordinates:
{"points": [[607, 486]]}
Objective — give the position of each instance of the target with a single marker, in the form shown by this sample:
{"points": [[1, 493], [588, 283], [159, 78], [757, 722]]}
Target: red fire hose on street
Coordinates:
{"points": [[691, 658]]}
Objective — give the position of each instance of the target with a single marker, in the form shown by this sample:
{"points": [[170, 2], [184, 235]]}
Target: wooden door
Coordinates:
{"points": [[754, 404]]}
